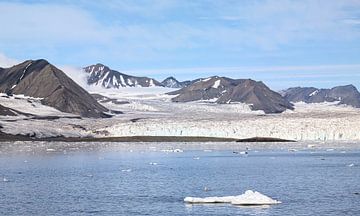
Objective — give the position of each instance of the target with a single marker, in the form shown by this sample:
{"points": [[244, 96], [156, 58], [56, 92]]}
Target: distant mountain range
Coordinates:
{"points": [[101, 75], [40, 79], [347, 95], [224, 90]]}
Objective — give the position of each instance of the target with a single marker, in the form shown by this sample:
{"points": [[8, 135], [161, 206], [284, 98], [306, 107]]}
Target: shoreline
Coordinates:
{"points": [[9, 138]]}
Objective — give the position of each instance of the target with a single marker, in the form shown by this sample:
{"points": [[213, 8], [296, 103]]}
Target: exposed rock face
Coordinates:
{"points": [[40, 79], [171, 82], [101, 75], [225, 90], [5, 111], [348, 95]]}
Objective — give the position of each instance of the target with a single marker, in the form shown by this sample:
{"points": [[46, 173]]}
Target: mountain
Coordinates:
{"points": [[347, 95], [40, 79], [224, 90], [171, 82], [101, 75]]}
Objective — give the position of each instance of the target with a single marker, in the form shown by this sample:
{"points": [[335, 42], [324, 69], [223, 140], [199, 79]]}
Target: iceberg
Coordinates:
{"points": [[253, 198], [248, 198]]}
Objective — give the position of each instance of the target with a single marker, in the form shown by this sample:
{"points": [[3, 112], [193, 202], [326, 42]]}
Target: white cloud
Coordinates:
{"points": [[49, 24], [262, 24], [76, 74], [6, 62]]}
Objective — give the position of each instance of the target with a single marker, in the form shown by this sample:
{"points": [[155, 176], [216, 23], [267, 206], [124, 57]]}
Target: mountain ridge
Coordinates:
{"points": [[102, 75], [224, 90], [172, 82], [40, 79], [347, 95]]}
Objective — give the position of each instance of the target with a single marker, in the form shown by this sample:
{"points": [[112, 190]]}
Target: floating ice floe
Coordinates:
{"points": [[248, 198], [153, 163], [50, 150], [172, 150], [351, 165]]}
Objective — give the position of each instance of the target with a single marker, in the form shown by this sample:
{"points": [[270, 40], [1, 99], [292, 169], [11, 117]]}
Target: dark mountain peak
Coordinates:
{"points": [[172, 82], [101, 75], [224, 90], [349, 87], [170, 78], [99, 65], [97, 68], [40, 79], [347, 94], [40, 61]]}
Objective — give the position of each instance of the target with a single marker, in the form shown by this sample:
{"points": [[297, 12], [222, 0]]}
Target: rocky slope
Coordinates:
{"points": [[224, 90], [40, 79], [347, 95], [5, 111], [101, 75]]}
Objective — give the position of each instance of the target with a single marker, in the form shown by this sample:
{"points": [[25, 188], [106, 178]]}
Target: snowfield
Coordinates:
{"points": [[149, 112]]}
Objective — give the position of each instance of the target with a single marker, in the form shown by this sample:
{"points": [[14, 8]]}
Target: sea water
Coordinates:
{"points": [[153, 182]]}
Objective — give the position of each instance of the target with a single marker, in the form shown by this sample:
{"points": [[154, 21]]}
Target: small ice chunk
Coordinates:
{"points": [[248, 198], [126, 170], [178, 150], [5, 180], [50, 150], [351, 165], [172, 150], [153, 163]]}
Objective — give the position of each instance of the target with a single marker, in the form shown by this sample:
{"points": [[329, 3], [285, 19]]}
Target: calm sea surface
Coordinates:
{"points": [[149, 182]]}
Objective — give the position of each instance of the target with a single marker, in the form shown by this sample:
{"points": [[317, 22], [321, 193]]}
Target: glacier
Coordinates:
{"points": [[150, 112]]}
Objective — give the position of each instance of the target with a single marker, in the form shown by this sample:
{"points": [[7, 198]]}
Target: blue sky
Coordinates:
{"points": [[281, 42]]}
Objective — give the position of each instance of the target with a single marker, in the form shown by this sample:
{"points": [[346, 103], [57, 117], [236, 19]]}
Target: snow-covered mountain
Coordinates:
{"points": [[171, 82], [101, 75], [347, 95], [224, 90], [40, 79]]}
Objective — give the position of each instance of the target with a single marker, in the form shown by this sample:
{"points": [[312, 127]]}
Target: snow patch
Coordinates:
{"points": [[314, 93], [205, 80], [216, 84], [151, 83], [123, 83], [30, 105]]}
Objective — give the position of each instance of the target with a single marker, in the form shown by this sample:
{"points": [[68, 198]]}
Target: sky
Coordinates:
{"points": [[283, 43]]}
